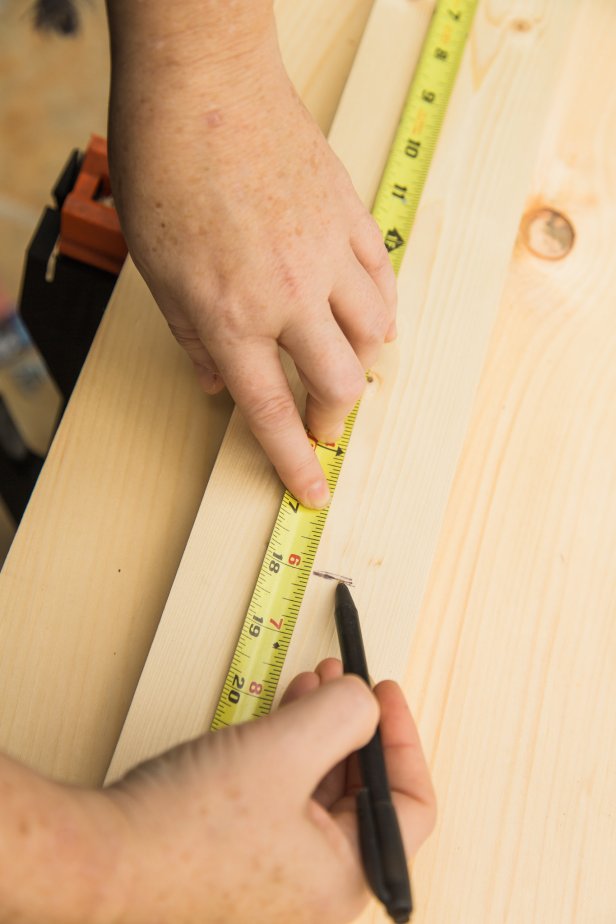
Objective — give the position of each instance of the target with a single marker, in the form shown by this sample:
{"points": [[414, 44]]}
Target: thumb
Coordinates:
{"points": [[307, 738]]}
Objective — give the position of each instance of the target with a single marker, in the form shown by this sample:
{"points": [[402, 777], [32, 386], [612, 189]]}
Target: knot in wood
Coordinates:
{"points": [[521, 25], [547, 233]]}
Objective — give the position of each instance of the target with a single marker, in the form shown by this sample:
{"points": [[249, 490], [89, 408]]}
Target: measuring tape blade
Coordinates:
{"points": [[406, 169], [256, 666]]}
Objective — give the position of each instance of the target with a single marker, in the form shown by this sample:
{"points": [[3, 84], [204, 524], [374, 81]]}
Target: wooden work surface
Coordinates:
{"points": [[509, 651]]}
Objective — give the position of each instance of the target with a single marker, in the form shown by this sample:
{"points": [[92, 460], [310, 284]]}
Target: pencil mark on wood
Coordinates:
{"points": [[330, 576]]}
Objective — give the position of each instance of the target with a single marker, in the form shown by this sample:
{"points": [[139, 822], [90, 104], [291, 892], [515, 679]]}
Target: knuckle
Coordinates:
{"points": [[376, 261], [294, 281], [230, 319], [376, 258], [379, 263], [192, 344], [355, 693], [304, 468], [273, 410], [185, 336]]}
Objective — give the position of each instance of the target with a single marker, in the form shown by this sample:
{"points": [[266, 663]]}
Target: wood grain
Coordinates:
{"points": [[87, 576], [80, 590], [512, 664], [319, 42]]}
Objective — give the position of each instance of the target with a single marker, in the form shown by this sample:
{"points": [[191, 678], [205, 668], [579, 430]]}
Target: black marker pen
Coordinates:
{"points": [[381, 844]]}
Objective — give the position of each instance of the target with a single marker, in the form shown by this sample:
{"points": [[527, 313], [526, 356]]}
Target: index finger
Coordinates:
{"points": [[407, 770], [255, 378]]}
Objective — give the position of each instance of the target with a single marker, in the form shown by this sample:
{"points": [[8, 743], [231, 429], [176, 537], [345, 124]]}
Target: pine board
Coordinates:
{"points": [[512, 664]]}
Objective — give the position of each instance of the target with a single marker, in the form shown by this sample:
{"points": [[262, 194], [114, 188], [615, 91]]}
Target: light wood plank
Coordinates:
{"points": [[81, 587], [512, 664], [387, 512], [86, 580], [319, 42]]}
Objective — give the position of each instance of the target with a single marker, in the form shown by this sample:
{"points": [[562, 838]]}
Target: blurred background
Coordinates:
{"points": [[53, 96]]}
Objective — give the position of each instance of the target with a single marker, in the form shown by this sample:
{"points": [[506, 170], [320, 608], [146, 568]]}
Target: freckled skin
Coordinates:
{"points": [[252, 825], [271, 853], [266, 241]]}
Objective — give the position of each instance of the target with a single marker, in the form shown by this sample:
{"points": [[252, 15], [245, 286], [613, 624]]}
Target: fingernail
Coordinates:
{"points": [[318, 495]]}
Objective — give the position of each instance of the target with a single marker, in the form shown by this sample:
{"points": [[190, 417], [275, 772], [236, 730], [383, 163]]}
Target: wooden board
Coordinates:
{"points": [[387, 513], [319, 41], [86, 580], [512, 663], [81, 587]]}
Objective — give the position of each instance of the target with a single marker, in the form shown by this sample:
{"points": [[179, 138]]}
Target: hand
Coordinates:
{"points": [[257, 823], [249, 233]]}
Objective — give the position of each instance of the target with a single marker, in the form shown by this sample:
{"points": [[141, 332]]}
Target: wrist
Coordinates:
{"points": [[198, 84], [104, 861], [61, 856]]}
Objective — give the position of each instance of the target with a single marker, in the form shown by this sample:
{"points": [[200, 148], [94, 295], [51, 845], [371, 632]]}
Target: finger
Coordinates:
{"points": [[311, 735], [329, 669], [329, 369], [359, 309], [407, 770], [205, 367], [406, 764], [301, 685], [332, 786], [256, 380], [326, 670], [369, 248]]}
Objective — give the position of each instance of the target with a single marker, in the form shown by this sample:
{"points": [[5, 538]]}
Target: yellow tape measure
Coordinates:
{"points": [[257, 663]]}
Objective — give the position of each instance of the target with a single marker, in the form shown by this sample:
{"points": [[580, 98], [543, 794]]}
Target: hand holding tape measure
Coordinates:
{"points": [[251, 237]]}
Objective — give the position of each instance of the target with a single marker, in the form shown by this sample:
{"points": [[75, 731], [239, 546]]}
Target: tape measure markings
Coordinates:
{"points": [[256, 666]]}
